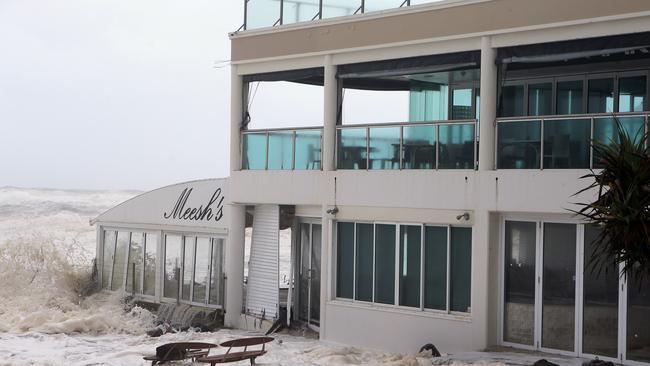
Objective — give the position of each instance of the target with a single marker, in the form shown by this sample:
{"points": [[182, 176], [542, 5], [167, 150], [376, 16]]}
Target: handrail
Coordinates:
{"points": [[280, 129], [569, 116], [415, 123]]}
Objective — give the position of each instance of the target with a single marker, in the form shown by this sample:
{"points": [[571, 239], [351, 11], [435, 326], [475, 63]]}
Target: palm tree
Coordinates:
{"points": [[622, 209]]}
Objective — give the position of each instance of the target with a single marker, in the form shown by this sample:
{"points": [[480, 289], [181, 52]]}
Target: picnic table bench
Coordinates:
{"points": [[178, 351], [239, 355]]}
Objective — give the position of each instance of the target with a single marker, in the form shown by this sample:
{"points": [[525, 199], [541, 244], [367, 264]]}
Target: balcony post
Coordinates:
{"points": [[330, 93], [488, 106], [236, 117]]}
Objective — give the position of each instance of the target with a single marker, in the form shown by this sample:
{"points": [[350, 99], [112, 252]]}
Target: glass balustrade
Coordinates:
{"points": [[282, 150]]}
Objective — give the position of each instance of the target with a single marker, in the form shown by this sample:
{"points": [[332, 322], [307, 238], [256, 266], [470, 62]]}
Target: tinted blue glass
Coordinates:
{"points": [[567, 144], [462, 104], [375, 5], [308, 150], [456, 146], [435, 267], [461, 269], [262, 13], [384, 147], [605, 131], [419, 147], [601, 96], [345, 260], [569, 97], [338, 8], [632, 94], [294, 11], [409, 265], [385, 264], [519, 145], [254, 156], [540, 99], [280, 150], [512, 101], [352, 148], [364, 256]]}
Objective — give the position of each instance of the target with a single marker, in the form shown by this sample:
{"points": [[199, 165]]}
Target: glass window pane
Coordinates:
{"points": [[605, 131], [304, 274], [385, 263], [375, 5], [435, 267], [419, 147], [477, 104], [254, 147], [188, 266], [540, 99], [428, 102], [638, 321], [314, 302], [345, 260], [456, 146], [308, 150], [519, 145], [569, 97], [462, 104], [512, 101], [558, 287], [601, 96], [201, 269], [632, 94], [600, 314], [338, 8], [352, 145], [364, 255], [262, 13], [135, 261], [567, 144], [460, 291], [109, 257], [216, 275], [384, 147], [121, 251], [172, 265], [294, 11], [151, 252], [519, 287], [280, 150], [409, 265]]}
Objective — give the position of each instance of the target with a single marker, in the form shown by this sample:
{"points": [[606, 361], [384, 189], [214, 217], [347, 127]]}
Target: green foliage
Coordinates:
{"points": [[622, 209]]}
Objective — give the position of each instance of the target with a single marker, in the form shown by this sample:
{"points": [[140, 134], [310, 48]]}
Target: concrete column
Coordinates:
{"points": [[481, 278], [235, 265], [236, 116], [330, 91], [488, 106]]}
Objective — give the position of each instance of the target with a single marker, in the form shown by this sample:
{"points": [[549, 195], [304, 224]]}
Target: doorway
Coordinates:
{"points": [[308, 263]]}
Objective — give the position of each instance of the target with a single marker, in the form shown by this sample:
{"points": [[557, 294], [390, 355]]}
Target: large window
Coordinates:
{"points": [[432, 270], [150, 255], [173, 247], [119, 264], [134, 271]]}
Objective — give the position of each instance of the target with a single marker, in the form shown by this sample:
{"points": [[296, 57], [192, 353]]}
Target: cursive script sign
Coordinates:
{"points": [[212, 210]]}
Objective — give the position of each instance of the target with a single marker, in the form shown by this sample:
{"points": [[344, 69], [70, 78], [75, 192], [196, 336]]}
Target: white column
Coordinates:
{"points": [[235, 265], [236, 115], [488, 105], [330, 91]]}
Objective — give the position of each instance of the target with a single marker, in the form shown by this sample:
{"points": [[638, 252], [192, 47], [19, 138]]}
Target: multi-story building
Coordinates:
{"points": [[454, 225]]}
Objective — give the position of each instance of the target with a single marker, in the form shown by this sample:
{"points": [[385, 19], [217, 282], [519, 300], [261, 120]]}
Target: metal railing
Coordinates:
{"points": [[271, 13], [282, 149], [560, 141], [449, 144]]}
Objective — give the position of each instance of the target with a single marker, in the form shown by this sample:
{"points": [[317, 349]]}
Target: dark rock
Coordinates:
{"points": [[432, 348], [597, 362], [544, 362]]}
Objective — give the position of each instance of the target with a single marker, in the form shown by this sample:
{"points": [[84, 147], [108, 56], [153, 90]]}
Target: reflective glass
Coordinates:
{"points": [[605, 131], [345, 260], [172, 265], [462, 104], [456, 146], [262, 13], [558, 287], [600, 314], [150, 254], [601, 96], [280, 150], [338, 8], [512, 101], [314, 301], [351, 148], [121, 252], [364, 255], [632, 94], [409, 265], [294, 11], [435, 267], [419, 147], [477, 104], [540, 99], [304, 271], [109, 257], [254, 147], [570, 97], [216, 273], [133, 277], [638, 320], [519, 145], [201, 269], [567, 144], [385, 263], [519, 286], [428, 102], [460, 286], [384, 147], [188, 266], [375, 5], [308, 150]]}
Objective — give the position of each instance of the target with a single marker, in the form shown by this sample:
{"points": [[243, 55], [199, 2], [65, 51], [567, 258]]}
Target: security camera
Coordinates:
{"points": [[463, 216]]}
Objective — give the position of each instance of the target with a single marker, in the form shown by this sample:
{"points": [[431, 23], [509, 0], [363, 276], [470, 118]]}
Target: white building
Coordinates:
{"points": [[414, 232]]}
